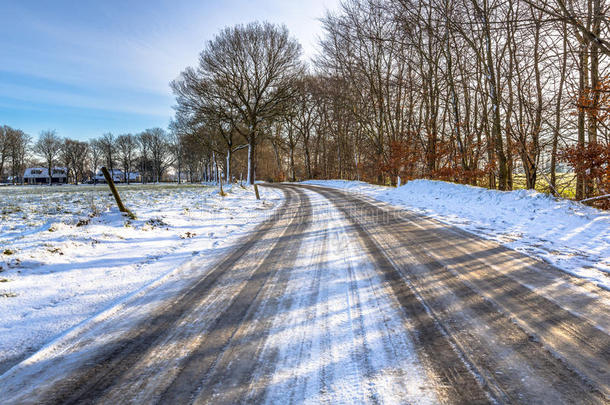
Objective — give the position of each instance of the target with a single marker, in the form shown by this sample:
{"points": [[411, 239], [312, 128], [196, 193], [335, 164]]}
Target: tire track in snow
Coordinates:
{"points": [[474, 304], [202, 324], [229, 380], [350, 345], [298, 322], [215, 359], [89, 373]]}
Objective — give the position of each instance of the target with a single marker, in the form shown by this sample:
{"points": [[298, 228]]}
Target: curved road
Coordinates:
{"points": [[340, 299]]}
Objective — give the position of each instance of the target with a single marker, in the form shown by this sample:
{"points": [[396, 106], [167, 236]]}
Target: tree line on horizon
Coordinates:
{"points": [[150, 153], [481, 92]]}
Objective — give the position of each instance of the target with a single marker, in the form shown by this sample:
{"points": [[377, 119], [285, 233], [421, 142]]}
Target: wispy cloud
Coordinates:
{"points": [[125, 103], [120, 56]]}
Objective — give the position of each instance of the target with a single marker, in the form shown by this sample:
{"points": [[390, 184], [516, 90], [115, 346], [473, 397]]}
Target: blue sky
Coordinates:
{"points": [[88, 67]]}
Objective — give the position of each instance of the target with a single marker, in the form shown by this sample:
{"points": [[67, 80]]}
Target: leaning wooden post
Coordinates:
{"points": [[258, 197], [115, 192], [222, 193]]}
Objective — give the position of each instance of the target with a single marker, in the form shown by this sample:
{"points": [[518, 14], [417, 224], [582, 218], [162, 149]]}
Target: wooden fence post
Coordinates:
{"points": [[115, 192], [258, 197], [222, 193]]}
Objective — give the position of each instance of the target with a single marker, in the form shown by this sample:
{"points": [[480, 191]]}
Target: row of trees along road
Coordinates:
{"points": [[484, 92], [496, 93]]}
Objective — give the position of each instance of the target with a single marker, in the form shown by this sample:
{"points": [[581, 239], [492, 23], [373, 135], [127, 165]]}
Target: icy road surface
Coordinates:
{"points": [[340, 299]]}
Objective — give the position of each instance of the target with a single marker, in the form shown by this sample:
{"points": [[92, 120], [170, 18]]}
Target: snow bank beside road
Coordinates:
{"points": [[59, 265], [569, 235]]}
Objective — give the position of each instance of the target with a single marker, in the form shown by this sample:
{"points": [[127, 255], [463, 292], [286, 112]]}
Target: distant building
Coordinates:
{"points": [[117, 176], [40, 175], [135, 177]]}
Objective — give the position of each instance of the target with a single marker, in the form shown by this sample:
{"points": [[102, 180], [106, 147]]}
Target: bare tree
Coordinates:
{"points": [[248, 72], [304, 119], [108, 147], [364, 45], [568, 12], [74, 155], [48, 147], [19, 146], [144, 143], [126, 146], [95, 155], [4, 146], [80, 156], [66, 159], [156, 143]]}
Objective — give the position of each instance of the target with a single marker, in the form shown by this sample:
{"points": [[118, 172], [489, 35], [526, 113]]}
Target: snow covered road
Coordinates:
{"points": [[340, 299]]}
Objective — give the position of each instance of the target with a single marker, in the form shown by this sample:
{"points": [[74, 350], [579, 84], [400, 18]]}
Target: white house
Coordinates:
{"points": [[40, 175], [117, 176], [134, 176]]}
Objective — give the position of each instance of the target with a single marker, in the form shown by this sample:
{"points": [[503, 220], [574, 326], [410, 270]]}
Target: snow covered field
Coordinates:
{"points": [[66, 253], [569, 235]]}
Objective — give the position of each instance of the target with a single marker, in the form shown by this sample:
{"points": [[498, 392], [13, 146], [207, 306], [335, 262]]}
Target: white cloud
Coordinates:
{"points": [[113, 52]]}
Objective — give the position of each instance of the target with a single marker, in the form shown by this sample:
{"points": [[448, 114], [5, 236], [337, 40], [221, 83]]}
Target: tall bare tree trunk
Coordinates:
{"points": [[582, 84], [556, 131], [594, 89], [251, 159]]}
